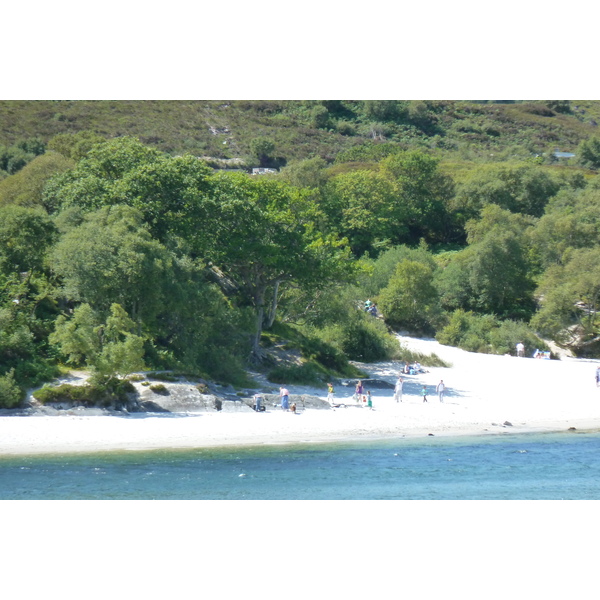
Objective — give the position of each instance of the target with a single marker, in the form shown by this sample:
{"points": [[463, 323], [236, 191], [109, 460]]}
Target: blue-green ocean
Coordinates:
{"points": [[547, 466]]}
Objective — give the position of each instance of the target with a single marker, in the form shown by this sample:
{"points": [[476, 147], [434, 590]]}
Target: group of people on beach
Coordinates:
{"points": [[440, 390], [413, 369], [361, 395], [537, 353], [284, 395], [364, 397]]}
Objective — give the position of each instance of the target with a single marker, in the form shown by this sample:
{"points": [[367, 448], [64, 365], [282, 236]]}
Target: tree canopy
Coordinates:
{"points": [[118, 256]]}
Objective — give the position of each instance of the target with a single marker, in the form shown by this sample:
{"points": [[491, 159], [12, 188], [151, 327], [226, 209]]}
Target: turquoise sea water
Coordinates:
{"points": [[521, 467]]}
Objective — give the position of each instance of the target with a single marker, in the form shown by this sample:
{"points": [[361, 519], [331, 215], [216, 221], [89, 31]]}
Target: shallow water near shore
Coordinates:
{"points": [[548, 466]]}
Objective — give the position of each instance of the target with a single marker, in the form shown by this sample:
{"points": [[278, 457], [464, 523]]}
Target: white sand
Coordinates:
{"points": [[483, 393]]}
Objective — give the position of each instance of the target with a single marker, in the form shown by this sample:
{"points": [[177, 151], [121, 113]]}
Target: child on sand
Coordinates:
{"points": [[369, 401], [330, 393], [424, 393]]}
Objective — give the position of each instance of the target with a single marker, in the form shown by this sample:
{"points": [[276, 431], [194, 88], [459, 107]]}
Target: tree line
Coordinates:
{"points": [[117, 257]]}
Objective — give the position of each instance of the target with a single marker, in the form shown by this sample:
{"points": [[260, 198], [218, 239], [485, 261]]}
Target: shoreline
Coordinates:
{"points": [[484, 394], [68, 436]]}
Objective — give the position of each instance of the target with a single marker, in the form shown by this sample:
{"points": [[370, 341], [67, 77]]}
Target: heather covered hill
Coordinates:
{"points": [[303, 129]]}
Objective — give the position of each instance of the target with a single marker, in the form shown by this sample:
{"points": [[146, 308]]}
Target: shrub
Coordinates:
{"points": [[345, 127], [305, 374], [362, 337], [410, 301], [79, 394], [159, 388], [10, 393], [162, 376], [33, 372], [427, 360], [136, 377], [325, 354], [487, 334], [87, 395]]}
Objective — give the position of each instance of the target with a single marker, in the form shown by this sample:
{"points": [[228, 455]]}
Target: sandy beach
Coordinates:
{"points": [[485, 395]]}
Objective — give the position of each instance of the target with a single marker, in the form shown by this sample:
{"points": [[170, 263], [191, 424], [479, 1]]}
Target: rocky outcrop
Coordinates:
{"points": [[185, 397], [300, 400], [166, 393]]}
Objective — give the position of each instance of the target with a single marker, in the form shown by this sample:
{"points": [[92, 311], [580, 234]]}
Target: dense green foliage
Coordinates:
{"points": [[127, 252], [95, 394], [487, 334]]}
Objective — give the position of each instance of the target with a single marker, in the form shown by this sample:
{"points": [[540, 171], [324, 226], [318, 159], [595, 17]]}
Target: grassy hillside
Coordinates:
{"points": [[300, 129]]}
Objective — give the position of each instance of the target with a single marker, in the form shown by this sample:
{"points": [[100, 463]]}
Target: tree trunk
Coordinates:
{"points": [[257, 354], [272, 312]]}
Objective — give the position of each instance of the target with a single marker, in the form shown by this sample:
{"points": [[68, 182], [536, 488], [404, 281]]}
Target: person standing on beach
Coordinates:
{"points": [[330, 393], [398, 389], [358, 392], [257, 399], [597, 376], [369, 401], [440, 389], [285, 398], [520, 349], [424, 393]]}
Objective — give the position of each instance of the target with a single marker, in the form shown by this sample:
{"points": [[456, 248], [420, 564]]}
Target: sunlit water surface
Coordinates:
{"points": [[524, 466]]}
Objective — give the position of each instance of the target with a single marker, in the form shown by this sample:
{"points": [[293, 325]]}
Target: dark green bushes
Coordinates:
{"points": [[162, 376], [10, 393], [306, 374], [86, 395], [361, 337], [487, 334], [159, 388]]}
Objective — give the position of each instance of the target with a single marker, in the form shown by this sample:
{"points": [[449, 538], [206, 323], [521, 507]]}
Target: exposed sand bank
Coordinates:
{"points": [[484, 392]]}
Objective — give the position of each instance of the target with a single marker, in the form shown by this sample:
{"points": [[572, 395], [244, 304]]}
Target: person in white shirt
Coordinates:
{"points": [[398, 390], [440, 390]]}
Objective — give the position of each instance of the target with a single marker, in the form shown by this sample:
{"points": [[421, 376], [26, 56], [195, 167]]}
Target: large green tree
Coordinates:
{"points": [[494, 273], [424, 193], [588, 152], [168, 191], [112, 349], [75, 145], [91, 183], [25, 236], [262, 236], [572, 220], [363, 207], [520, 188], [27, 185], [112, 258], [410, 300], [569, 295]]}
